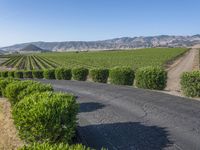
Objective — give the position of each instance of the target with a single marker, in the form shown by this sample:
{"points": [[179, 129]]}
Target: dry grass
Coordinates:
{"points": [[8, 133]]}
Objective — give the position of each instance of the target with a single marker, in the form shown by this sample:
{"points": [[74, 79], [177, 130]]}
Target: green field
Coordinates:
{"points": [[133, 58], [108, 59]]}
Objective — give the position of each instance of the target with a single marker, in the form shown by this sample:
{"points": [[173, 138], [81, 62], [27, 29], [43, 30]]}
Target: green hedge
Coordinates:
{"points": [[63, 74], [99, 75], [46, 117], [80, 74], [13, 90], [3, 85], [27, 74], [151, 78], [18, 74], [190, 83], [4, 74], [36, 87], [47, 146], [37, 74], [122, 76], [11, 74], [49, 74]]}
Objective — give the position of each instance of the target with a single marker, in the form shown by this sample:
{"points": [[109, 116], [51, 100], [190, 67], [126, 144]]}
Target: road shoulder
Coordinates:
{"points": [[8, 133]]}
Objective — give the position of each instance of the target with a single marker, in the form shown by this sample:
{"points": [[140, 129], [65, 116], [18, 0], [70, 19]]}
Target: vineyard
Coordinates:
{"points": [[32, 62], [109, 59]]}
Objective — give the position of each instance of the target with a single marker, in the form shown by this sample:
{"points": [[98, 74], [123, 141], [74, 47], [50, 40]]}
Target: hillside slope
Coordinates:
{"points": [[31, 47], [118, 43]]}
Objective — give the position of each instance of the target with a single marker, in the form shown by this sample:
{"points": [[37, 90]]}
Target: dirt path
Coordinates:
{"points": [[197, 61], [186, 63], [8, 133]]}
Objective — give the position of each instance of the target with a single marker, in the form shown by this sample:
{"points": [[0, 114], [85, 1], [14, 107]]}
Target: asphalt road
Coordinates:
{"points": [[126, 118]]}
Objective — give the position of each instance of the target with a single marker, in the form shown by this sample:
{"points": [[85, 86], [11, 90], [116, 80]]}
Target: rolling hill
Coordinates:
{"points": [[31, 47], [117, 43]]}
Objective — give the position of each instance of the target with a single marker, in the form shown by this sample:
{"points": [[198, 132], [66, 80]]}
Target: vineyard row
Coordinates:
{"points": [[32, 62]]}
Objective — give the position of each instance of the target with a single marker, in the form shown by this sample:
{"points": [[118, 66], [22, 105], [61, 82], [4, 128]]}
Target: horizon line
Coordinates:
{"points": [[157, 35]]}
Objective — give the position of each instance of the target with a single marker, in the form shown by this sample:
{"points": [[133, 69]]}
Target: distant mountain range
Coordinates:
{"points": [[31, 47], [111, 44]]}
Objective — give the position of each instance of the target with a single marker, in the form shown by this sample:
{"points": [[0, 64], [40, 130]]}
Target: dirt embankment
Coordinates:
{"points": [[8, 133], [197, 61], [183, 64]]}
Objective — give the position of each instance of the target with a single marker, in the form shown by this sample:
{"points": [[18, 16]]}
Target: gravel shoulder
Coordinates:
{"points": [[8, 133]]}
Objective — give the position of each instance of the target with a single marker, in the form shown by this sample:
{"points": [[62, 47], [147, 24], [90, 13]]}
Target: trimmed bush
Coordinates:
{"points": [[151, 78], [122, 76], [27, 74], [47, 146], [18, 74], [99, 75], [4, 74], [49, 74], [38, 74], [13, 90], [63, 74], [80, 74], [46, 117], [36, 87], [3, 85], [11, 74], [190, 83]]}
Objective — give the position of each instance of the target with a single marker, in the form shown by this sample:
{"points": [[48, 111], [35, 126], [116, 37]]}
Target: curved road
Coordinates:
{"points": [[126, 118]]}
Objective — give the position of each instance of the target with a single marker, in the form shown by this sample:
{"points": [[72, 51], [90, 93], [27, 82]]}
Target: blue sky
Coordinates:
{"points": [[69, 20]]}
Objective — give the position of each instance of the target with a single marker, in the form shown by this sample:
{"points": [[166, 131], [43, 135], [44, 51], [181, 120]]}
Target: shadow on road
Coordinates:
{"points": [[125, 136], [90, 106]]}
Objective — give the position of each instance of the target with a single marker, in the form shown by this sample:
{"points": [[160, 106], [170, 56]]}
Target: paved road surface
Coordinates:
{"points": [[126, 118]]}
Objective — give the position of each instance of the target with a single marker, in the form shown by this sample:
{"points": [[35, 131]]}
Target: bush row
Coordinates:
{"points": [[151, 78], [147, 77], [190, 83], [61, 146], [40, 114]]}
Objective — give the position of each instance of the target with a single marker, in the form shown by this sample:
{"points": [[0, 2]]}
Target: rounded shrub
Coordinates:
{"points": [[190, 83], [4, 74], [122, 76], [46, 117], [60, 146], [99, 75], [11, 74], [38, 74], [3, 85], [33, 88], [13, 89], [27, 74], [151, 78], [18, 74], [80, 74], [49, 74], [63, 74]]}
